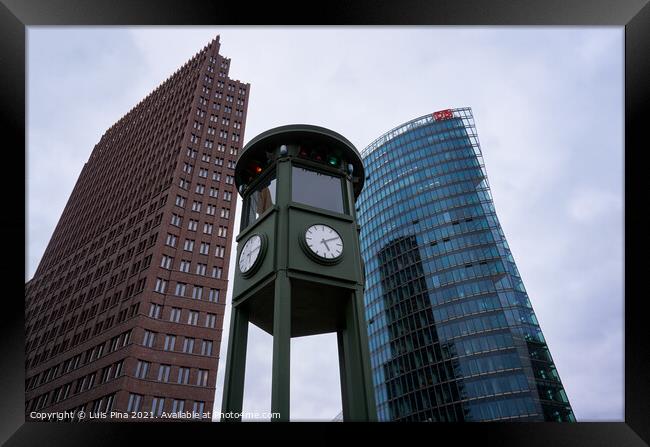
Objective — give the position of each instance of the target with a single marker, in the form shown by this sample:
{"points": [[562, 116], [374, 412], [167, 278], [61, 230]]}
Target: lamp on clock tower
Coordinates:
{"points": [[299, 270]]}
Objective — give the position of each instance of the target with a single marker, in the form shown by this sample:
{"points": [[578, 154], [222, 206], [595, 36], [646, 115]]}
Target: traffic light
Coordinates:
{"points": [[333, 160]]}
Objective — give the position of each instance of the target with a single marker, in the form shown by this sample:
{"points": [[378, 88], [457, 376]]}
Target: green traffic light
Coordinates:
{"points": [[333, 161]]}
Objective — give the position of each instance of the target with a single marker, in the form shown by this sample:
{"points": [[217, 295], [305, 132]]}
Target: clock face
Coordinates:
{"points": [[324, 241], [250, 253]]}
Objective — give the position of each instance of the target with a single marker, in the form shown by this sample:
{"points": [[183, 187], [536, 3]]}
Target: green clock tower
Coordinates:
{"points": [[299, 270]]}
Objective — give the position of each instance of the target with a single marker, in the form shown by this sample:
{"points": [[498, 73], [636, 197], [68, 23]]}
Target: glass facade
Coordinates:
{"points": [[453, 336]]}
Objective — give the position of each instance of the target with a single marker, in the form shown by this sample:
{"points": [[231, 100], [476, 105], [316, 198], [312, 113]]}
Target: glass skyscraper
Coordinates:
{"points": [[453, 336]]}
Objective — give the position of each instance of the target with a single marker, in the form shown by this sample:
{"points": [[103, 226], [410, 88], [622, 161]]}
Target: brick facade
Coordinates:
{"points": [[92, 297]]}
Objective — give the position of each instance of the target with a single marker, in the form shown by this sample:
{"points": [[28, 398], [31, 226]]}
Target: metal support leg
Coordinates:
{"points": [[364, 357], [345, 401], [233, 387], [354, 359], [281, 348]]}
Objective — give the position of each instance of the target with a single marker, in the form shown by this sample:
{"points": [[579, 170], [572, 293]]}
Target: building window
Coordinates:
{"points": [[163, 373], [213, 296], [192, 225], [91, 380], [176, 220], [183, 375], [200, 189], [135, 400], [142, 369], [127, 335], [185, 266], [166, 262], [201, 268], [219, 250], [205, 248], [148, 339], [196, 206], [202, 377], [206, 347], [188, 345], [180, 201], [210, 320], [161, 285], [198, 408], [110, 399], [171, 240], [157, 405], [197, 292], [170, 342], [175, 315], [178, 406], [180, 289], [106, 374], [155, 310], [207, 228], [66, 390], [189, 245], [217, 272], [118, 369], [193, 317]]}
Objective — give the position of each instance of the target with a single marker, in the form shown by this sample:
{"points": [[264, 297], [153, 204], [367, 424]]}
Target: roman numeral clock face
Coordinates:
{"points": [[324, 242]]}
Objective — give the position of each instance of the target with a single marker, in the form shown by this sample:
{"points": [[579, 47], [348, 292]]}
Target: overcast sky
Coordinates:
{"points": [[548, 105]]}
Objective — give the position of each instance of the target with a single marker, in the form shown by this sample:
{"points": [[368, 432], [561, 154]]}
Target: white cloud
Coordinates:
{"points": [[585, 205]]}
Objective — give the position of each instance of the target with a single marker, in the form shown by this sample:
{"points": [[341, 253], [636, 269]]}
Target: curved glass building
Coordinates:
{"points": [[453, 336]]}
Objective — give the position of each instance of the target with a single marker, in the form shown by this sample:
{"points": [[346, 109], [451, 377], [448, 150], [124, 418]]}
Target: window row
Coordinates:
{"points": [[177, 221], [156, 311], [158, 407], [210, 210], [181, 374], [169, 343], [76, 361]]}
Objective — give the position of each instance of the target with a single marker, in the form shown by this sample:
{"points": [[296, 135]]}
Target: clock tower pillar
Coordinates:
{"points": [[299, 270]]}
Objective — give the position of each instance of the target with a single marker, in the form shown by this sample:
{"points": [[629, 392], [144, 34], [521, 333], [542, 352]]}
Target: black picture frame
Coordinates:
{"points": [[634, 15]]}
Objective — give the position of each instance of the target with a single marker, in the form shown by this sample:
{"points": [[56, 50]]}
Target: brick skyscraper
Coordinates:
{"points": [[125, 310]]}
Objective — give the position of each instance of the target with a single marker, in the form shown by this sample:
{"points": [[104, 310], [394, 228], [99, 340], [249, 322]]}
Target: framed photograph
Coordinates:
{"points": [[536, 108]]}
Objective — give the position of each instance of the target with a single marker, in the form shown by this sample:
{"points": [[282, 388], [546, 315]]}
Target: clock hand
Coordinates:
{"points": [[325, 242], [332, 239]]}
